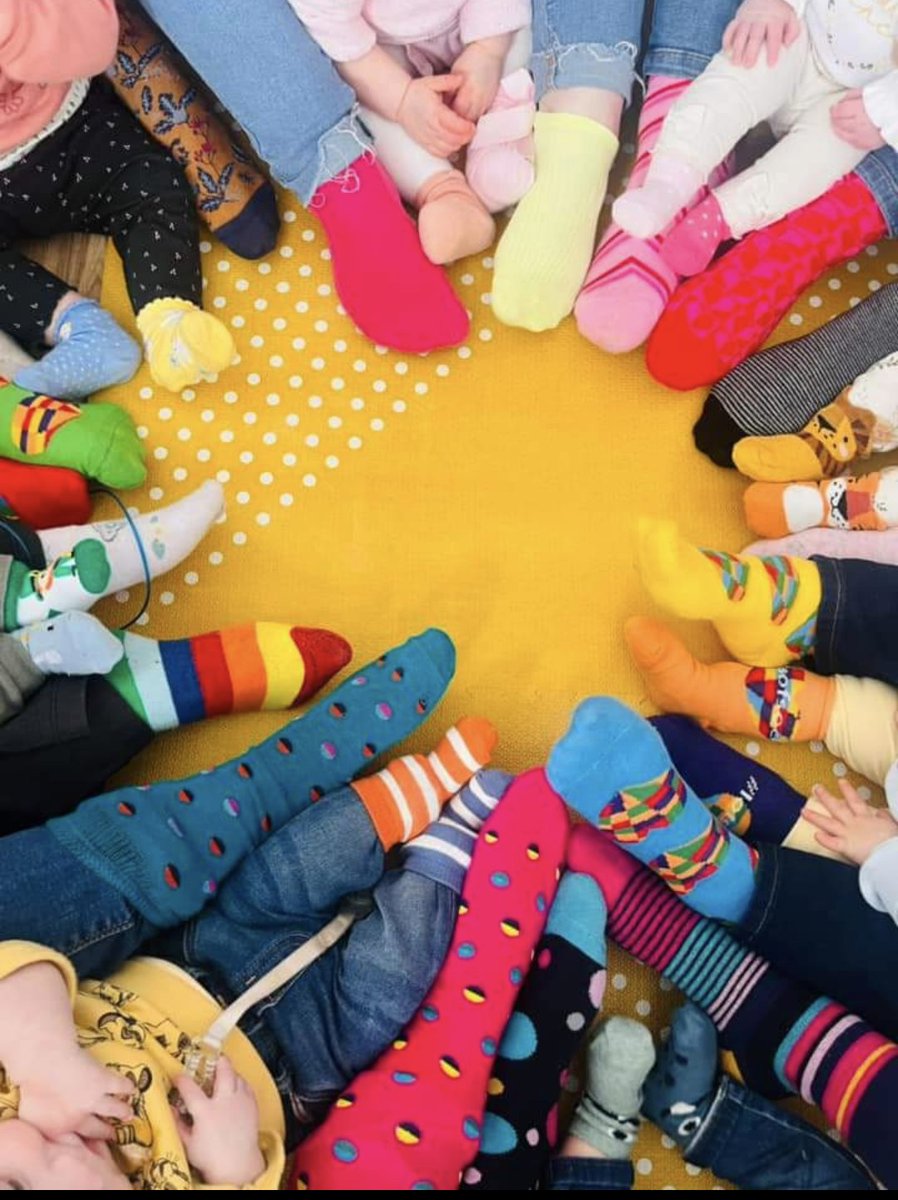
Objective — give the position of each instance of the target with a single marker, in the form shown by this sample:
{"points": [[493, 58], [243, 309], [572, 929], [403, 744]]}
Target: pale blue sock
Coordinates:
{"points": [[91, 352], [72, 643], [678, 1092]]}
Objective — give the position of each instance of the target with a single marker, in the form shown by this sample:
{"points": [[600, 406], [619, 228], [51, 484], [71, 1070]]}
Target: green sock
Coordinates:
{"points": [[75, 581]]}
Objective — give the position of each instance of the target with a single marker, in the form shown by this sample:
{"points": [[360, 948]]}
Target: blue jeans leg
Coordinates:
{"points": [[856, 620], [586, 43], [685, 36], [274, 79], [748, 1141], [53, 899], [589, 1175], [879, 172]]}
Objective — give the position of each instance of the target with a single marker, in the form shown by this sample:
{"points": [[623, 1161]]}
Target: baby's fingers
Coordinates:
{"points": [[834, 807]]}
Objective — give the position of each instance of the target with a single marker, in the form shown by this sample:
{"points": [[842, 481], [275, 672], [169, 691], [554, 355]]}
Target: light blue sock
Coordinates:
{"points": [[90, 352], [614, 769], [72, 643], [681, 1086]]}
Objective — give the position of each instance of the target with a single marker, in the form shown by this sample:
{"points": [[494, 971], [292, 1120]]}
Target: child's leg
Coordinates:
{"points": [[499, 163], [702, 128]]}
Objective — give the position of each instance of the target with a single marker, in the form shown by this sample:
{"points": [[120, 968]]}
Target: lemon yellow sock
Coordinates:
{"points": [[546, 250], [833, 438], [764, 609], [183, 344]]}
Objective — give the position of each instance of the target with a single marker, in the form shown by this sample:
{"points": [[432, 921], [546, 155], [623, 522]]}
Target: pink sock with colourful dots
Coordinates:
{"points": [[696, 238], [414, 1120]]}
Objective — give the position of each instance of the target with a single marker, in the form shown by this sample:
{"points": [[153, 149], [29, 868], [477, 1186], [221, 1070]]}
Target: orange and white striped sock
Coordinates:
{"points": [[406, 796]]}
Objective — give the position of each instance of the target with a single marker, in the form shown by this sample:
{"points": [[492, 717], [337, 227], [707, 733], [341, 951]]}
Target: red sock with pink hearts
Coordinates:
{"points": [[629, 283], [725, 314], [413, 1121], [395, 295]]}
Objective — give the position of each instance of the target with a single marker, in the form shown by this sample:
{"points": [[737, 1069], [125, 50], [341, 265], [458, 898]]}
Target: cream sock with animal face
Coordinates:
{"points": [[869, 502]]}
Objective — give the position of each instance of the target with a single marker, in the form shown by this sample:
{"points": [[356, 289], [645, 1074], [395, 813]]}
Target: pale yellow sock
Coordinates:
{"points": [[546, 250], [183, 344]]}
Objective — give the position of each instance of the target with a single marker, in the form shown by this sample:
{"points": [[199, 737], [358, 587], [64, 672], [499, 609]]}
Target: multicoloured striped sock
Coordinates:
{"points": [[407, 796], [780, 1035], [245, 668], [443, 851]]}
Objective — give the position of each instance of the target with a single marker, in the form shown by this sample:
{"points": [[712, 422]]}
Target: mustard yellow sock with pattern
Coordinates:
{"points": [[764, 609], [182, 343]]}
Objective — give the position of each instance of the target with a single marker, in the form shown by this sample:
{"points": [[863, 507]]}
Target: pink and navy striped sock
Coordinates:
{"points": [[782, 1036]]}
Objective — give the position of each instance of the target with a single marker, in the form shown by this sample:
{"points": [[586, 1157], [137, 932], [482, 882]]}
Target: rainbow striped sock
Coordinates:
{"points": [[443, 851], [245, 668]]}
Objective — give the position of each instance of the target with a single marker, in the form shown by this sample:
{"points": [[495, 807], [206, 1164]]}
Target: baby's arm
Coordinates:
{"points": [[876, 114], [54, 41], [480, 65], [774, 24]]}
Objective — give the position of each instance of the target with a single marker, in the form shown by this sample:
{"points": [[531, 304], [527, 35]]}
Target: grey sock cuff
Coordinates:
{"points": [[611, 1134]]}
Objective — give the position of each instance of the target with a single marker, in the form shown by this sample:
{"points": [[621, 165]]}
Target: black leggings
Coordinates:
{"points": [[98, 173]]}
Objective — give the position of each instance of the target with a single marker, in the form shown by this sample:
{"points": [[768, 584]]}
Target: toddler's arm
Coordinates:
{"points": [[773, 24], [879, 101], [54, 41], [480, 66]]}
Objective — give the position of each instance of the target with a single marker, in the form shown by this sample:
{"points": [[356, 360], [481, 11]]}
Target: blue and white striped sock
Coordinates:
{"points": [[443, 851]]}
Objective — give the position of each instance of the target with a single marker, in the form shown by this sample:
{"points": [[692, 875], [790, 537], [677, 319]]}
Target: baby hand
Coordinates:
{"points": [[481, 72], [221, 1132], [424, 116], [851, 827], [757, 23], [73, 1093], [852, 123]]}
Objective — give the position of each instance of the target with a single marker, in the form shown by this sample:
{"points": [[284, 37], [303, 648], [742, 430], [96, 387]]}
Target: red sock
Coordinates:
{"points": [[389, 288], [413, 1121], [43, 497], [721, 317]]}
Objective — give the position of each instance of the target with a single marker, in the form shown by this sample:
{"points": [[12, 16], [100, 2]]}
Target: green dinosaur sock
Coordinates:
{"points": [[74, 581]]}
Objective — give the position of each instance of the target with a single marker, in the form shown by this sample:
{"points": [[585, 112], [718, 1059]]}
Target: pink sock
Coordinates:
{"points": [[629, 284], [696, 238], [413, 1121], [386, 284], [880, 546], [500, 157]]}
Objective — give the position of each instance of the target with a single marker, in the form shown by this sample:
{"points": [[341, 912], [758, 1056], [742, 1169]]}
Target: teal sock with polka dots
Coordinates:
{"points": [[167, 847]]}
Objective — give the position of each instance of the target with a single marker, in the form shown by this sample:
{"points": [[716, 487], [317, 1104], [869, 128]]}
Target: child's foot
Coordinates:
{"points": [[499, 163], [72, 643], [620, 1057], [253, 233], [690, 246], [452, 221], [183, 344], [834, 437], [90, 352], [870, 502], [647, 211], [681, 1086], [765, 609], [396, 297]]}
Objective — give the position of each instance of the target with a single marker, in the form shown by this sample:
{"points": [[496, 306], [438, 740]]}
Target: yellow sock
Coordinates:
{"points": [[546, 250], [183, 344], [833, 438], [764, 609]]}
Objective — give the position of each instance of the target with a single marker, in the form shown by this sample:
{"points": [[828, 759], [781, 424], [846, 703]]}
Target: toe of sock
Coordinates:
{"points": [[324, 654], [682, 352], [479, 738], [253, 233], [439, 648], [579, 914]]}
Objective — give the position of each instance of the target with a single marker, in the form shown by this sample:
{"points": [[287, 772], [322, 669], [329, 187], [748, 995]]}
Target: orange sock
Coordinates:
{"points": [[452, 221], [406, 796], [780, 703], [868, 502]]}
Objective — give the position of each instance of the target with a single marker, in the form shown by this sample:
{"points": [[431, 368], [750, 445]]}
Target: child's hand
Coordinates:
{"points": [[758, 23], [481, 70], [851, 827], [73, 1093], [852, 123], [432, 123], [221, 1137]]}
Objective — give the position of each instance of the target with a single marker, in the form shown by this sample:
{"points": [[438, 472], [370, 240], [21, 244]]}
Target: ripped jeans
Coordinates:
{"points": [[274, 79], [597, 43]]}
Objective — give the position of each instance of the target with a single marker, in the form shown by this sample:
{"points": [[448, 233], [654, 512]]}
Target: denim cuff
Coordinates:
{"points": [[879, 171], [679, 64], [832, 589], [591, 65], [714, 1132], [590, 1175], [338, 149]]}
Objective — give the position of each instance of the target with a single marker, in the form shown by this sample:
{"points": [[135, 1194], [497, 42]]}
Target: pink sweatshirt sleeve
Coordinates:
{"points": [[488, 18], [55, 41], [337, 26]]}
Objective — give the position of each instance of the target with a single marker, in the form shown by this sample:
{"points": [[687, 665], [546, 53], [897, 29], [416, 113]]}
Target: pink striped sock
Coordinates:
{"points": [[629, 284]]}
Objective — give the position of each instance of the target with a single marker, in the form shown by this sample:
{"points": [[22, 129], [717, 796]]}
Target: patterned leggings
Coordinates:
{"points": [[97, 173]]}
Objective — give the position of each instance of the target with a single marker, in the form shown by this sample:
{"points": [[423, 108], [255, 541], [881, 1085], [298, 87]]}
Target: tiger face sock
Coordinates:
{"points": [[167, 847], [244, 668], [834, 437], [559, 1000], [764, 609], [612, 768], [869, 502]]}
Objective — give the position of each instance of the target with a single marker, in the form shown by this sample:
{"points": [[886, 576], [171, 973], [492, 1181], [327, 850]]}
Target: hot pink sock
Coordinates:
{"points": [[696, 238], [413, 1121], [389, 288], [629, 284]]}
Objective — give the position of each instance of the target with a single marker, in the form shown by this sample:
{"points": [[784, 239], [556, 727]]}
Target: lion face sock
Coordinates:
{"points": [[74, 643], [834, 437], [168, 846], [612, 767], [866, 503], [414, 1120], [781, 1035], [563, 992], [607, 1118], [244, 668], [680, 1088], [764, 609]]}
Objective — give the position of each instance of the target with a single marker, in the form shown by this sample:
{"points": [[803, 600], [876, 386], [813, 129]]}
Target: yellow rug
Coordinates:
{"points": [[491, 491]]}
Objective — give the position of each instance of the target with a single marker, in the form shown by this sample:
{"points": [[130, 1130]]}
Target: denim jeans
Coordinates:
{"points": [[879, 172], [856, 621], [274, 79], [589, 1175], [596, 43]]}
